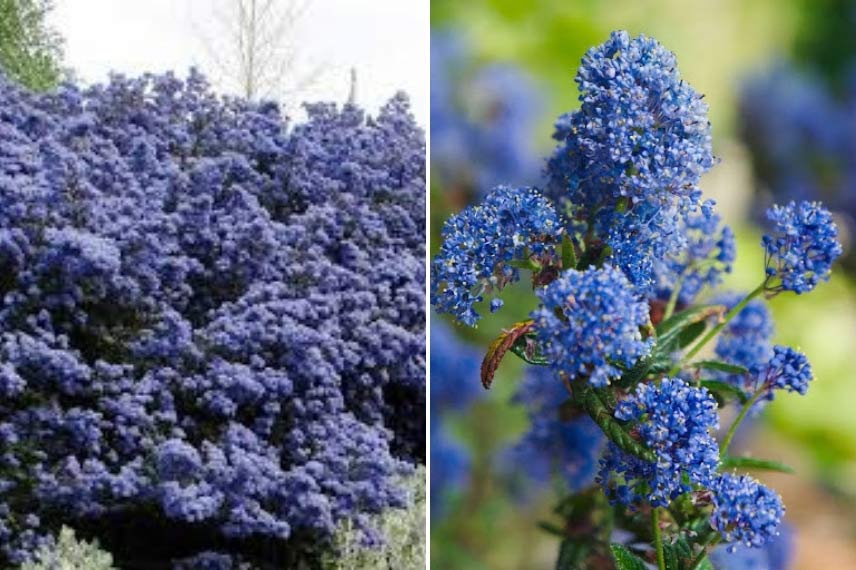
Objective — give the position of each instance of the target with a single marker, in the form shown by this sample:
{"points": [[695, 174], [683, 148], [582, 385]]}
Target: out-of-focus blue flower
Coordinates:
{"points": [[553, 445], [482, 120], [589, 324], [745, 341], [674, 421], [801, 246], [776, 554], [745, 511], [479, 244], [455, 369], [450, 466]]}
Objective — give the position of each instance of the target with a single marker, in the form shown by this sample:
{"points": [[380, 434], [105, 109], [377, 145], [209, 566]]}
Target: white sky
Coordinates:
{"points": [[387, 41]]}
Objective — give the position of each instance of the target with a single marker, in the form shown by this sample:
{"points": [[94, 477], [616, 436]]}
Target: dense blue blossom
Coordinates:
{"points": [[745, 511], [482, 121], [554, 445], [630, 158], [674, 420], [208, 320], [589, 324], [709, 253], [745, 341], [801, 247], [787, 370], [479, 244]]}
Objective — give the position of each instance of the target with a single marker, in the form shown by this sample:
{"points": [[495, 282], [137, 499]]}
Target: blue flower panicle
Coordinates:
{"points": [[480, 243], [589, 324], [788, 370], [631, 157], [745, 511], [801, 247], [675, 421]]}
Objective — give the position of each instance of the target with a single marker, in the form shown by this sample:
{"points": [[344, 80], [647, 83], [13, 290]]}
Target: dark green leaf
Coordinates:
{"points": [[678, 555], [690, 334], [551, 528], [724, 390], [753, 463], [669, 330], [626, 560], [569, 254], [572, 555], [720, 366]]}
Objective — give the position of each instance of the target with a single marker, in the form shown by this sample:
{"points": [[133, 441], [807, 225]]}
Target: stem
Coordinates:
{"points": [[715, 330], [734, 425], [673, 298], [711, 540], [658, 538]]}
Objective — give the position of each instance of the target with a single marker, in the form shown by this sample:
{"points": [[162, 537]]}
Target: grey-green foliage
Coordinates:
{"points": [[403, 529], [70, 554], [30, 51]]}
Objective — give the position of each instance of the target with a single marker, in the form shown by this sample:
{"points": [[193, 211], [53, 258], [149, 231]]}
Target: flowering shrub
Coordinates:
{"points": [[617, 339], [211, 323]]}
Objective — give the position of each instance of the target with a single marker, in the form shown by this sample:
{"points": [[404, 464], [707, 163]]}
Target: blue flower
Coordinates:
{"points": [[787, 369], [480, 243], [553, 445], [630, 158], [745, 341], [589, 324], [801, 247], [776, 554], [745, 511], [674, 420]]}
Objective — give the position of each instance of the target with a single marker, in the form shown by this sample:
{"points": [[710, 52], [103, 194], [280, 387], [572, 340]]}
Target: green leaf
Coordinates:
{"points": [[753, 463], [626, 560], [670, 330], [569, 254], [724, 390], [572, 555], [678, 555], [720, 366], [690, 334]]}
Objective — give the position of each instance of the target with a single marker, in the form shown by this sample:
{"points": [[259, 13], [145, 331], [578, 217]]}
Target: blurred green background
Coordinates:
{"points": [[717, 43]]}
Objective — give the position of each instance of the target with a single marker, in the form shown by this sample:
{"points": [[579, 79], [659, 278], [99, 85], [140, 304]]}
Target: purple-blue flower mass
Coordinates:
{"points": [[674, 420], [745, 511], [211, 322], [801, 246], [479, 244], [589, 324]]}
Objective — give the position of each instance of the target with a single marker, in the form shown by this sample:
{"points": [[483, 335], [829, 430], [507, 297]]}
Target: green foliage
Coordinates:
{"points": [[626, 560], [30, 52], [754, 463], [70, 554], [403, 530]]}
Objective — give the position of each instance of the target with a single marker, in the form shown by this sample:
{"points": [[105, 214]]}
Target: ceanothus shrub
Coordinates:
{"points": [[211, 322]]}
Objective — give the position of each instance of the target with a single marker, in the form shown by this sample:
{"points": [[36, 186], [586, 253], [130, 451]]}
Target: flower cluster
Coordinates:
{"points": [[745, 511], [630, 159], [674, 420], [787, 369], [482, 121], [801, 247], [208, 320], [745, 341], [801, 135], [479, 244], [553, 444], [589, 324], [454, 370]]}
